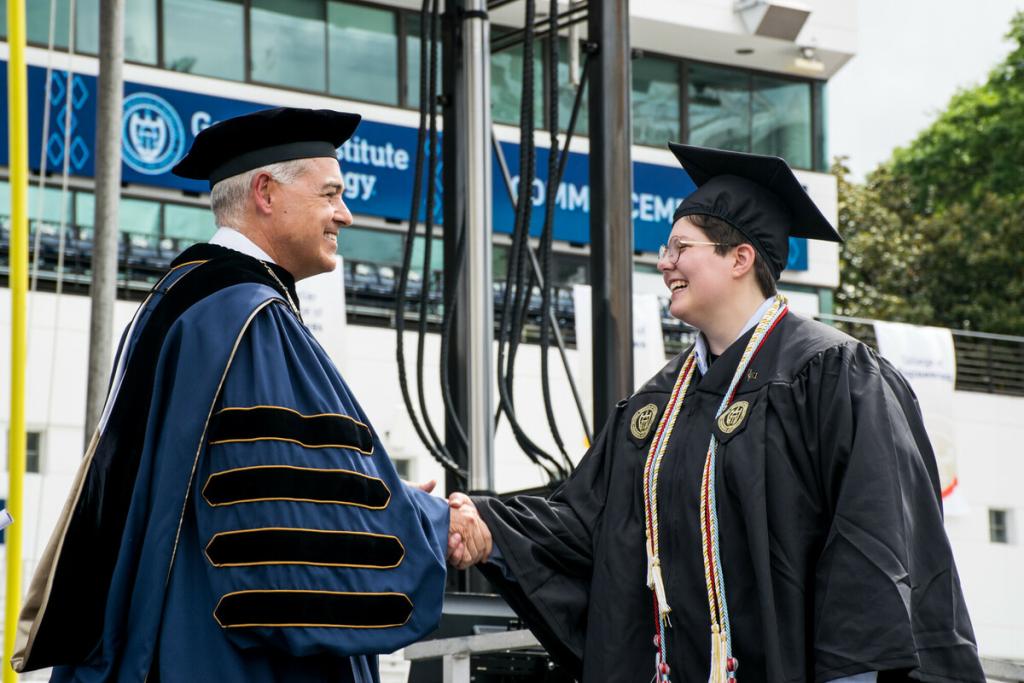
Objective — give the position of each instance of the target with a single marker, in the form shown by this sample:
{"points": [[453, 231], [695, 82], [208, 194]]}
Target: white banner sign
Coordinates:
{"points": [[648, 342], [322, 302], [926, 357]]}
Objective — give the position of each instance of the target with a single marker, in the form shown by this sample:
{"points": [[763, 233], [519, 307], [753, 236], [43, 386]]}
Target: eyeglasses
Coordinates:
{"points": [[677, 246]]}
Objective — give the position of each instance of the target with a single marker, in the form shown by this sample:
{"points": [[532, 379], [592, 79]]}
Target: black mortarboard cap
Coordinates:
{"points": [[756, 194], [242, 143]]}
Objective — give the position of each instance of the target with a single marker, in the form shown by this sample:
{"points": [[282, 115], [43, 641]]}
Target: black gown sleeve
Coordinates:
{"points": [[548, 547], [887, 596]]}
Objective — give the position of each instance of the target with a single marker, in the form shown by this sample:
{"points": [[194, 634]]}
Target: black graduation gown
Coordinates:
{"points": [[835, 556]]}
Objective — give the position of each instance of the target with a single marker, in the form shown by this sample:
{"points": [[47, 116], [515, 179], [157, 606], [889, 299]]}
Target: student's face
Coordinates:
{"points": [[312, 213], [699, 279]]}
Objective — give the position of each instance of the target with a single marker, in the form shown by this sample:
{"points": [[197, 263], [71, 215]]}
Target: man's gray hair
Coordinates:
{"points": [[227, 199]]}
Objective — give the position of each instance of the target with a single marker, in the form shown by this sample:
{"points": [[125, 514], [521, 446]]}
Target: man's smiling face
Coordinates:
{"points": [[309, 213]]}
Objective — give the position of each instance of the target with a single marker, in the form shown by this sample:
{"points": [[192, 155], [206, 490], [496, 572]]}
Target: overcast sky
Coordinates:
{"points": [[912, 56]]}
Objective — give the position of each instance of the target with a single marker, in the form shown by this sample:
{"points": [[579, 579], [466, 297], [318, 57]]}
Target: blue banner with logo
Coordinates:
{"points": [[378, 163]]}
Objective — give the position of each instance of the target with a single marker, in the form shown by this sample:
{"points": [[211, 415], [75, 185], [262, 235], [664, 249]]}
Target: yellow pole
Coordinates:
{"points": [[17, 125]]}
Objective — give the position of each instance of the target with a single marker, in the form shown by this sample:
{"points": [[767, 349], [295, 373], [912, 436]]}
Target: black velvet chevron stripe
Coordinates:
{"points": [[304, 546], [283, 424], [273, 482], [282, 608]]}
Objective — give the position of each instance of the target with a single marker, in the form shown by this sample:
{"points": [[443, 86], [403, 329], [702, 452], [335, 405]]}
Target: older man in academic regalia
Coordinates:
{"points": [[236, 517], [766, 508]]}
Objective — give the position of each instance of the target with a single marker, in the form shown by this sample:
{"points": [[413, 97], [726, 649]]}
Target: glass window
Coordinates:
{"points": [[719, 108], [288, 43], [139, 31], [820, 116], [385, 248], [998, 526], [781, 119], [436, 255], [378, 246], [44, 209], [196, 42], [655, 101], [32, 441], [507, 83], [363, 52], [567, 93], [139, 217], [87, 26], [3, 24], [413, 32], [189, 224], [139, 27], [37, 23], [134, 216], [85, 212]]}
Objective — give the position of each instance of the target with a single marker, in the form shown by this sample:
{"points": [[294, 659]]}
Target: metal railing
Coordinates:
{"points": [[986, 363], [455, 652], [1002, 670]]}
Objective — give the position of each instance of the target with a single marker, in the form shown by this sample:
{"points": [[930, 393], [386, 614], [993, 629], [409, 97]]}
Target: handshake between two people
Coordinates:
{"points": [[469, 539]]}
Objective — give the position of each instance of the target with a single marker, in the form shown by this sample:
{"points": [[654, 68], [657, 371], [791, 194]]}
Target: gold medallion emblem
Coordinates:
{"points": [[732, 418], [642, 420]]}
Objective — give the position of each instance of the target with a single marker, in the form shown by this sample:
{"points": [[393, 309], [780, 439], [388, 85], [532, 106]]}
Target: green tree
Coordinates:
{"points": [[935, 234]]}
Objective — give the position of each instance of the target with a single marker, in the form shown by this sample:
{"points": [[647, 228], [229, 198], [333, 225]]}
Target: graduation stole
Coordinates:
{"points": [[723, 664]]}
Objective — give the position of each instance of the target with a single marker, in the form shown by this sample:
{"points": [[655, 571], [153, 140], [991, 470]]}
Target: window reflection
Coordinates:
{"points": [[139, 31], [185, 225], [195, 40], [507, 84], [567, 93], [288, 43], [140, 27], [413, 33], [363, 52], [655, 101], [781, 123], [719, 108]]}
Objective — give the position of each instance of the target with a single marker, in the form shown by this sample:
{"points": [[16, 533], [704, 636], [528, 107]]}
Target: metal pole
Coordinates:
{"points": [[479, 312], [611, 205], [17, 96], [454, 180], [456, 668], [110, 89]]}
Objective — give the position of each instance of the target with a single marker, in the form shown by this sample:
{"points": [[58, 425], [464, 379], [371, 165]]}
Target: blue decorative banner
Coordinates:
{"points": [[378, 163]]}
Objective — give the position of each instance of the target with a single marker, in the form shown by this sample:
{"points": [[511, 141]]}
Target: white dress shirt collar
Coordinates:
{"points": [[232, 239]]}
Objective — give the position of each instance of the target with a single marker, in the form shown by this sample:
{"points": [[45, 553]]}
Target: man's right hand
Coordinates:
{"points": [[469, 539]]}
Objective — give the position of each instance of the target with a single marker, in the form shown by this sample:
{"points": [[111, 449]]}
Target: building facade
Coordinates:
{"points": [[746, 75]]}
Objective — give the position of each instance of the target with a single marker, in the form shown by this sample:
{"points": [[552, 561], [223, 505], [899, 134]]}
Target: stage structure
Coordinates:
{"points": [[461, 37]]}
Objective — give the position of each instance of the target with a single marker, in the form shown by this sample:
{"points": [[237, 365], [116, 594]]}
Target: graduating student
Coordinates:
{"points": [[766, 508], [236, 517]]}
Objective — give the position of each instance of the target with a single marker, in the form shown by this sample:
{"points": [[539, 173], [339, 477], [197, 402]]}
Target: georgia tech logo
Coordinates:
{"points": [[642, 420], [152, 135], [732, 418]]}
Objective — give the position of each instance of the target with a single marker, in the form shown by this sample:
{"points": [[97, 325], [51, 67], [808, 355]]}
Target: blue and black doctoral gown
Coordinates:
{"points": [[236, 517], [834, 553]]}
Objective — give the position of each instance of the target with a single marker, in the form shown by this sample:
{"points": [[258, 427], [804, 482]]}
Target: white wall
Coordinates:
{"points": [[990, 460], [710, 30]]}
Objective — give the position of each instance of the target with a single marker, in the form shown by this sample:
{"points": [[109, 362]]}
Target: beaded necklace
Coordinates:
{"points": [[723, 664]]}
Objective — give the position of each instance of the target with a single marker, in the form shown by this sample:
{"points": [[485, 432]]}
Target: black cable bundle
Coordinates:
{"points": [[518, 279], [546, 235], [428, 97]]}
